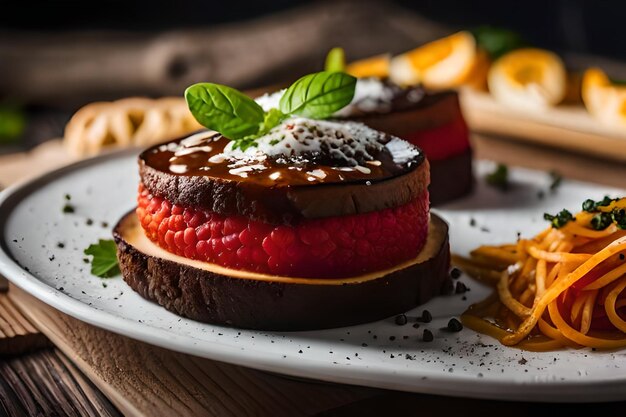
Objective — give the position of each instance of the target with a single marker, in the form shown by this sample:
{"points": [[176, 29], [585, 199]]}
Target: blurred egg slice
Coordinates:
{"points": [[444, 63], [376, 66], [528, 78], [604, 100]]}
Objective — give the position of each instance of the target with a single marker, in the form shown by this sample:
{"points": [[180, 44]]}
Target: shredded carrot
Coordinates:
{"points": [[553, 288]]}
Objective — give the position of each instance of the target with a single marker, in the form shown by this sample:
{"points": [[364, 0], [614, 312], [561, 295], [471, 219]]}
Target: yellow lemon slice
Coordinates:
{"points": [[604, 100], [376, 66], [444, 63], [529, 78]]}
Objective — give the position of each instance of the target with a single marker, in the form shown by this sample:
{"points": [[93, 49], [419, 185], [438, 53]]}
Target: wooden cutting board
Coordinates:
{"points": [[567, 127], [144, 380]]}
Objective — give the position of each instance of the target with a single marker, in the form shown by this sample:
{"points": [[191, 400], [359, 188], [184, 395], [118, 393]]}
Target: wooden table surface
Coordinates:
{"points": [[89, 371]]}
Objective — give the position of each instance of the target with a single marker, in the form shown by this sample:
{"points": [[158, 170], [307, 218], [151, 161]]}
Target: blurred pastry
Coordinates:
{"points": [[128, 122]]}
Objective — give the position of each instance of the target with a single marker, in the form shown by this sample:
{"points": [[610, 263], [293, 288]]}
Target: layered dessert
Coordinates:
{"points": [[433, 121], [310, 224]]}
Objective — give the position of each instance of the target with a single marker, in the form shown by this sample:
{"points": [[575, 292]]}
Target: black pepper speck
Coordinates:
{"points": [[454, 325], [428, 336], [460, 288], [426, 317], [401, 320]]}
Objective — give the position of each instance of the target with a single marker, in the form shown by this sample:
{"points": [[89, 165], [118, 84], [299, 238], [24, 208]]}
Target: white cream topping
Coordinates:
{"points": [[401, 151], [300, 137], [270, 100], [297, 141]]}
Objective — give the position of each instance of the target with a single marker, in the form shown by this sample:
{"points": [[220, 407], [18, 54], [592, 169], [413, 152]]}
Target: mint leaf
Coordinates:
{"points": [[497, 41], [335, 60], [318, 95], [224, 109], [104, 263]]}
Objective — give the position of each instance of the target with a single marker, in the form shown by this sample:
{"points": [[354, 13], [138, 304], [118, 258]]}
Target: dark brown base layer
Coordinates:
{"points": [[451, 178], [264, 304]]}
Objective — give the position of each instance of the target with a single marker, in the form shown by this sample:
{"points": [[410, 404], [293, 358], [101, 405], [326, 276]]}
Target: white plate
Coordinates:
{"points": [[32, 225]]}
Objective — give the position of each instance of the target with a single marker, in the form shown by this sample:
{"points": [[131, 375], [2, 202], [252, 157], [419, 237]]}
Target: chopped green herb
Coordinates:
{"points": [[560, 219], [104, 263], [68, 197], [68, 208], [618, 215], [591, 206], [499, 178], [601, 221]]}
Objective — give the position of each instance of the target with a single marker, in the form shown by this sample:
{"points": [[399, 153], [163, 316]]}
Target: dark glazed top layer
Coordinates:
{"points": [[193, 171], [203, 159]]}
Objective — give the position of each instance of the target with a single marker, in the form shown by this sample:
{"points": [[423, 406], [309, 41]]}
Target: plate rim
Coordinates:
{"points": [[430, 382]]}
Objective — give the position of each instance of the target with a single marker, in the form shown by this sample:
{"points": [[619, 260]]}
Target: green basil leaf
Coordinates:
{"points": [[335, 60], [318, 95], [271, 119], [104, 263], [224, 109]]}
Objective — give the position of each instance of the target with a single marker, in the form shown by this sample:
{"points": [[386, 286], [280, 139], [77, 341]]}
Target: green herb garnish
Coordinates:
{"points": [[335, 60], [499, 178], [104, 263], [591, 206], [318, 95], [618, 215], [224, 109], [560, 219], [497, 41], [601, 221], [241, 119]]}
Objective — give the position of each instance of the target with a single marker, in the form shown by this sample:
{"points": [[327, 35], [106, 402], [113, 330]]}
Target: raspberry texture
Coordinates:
{"points": [[444, 141], [331, 247]]}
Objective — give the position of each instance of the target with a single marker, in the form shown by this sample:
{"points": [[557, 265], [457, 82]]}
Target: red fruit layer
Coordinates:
{"points": [[444, 141], [331, 247]]}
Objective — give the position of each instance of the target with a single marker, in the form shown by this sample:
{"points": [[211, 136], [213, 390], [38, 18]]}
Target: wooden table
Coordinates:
{"points": [[89, 371]]}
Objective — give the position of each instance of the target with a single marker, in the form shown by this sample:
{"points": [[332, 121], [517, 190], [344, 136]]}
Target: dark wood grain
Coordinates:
{"points": [[46, 383], [17, 334], [146, 380]]}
